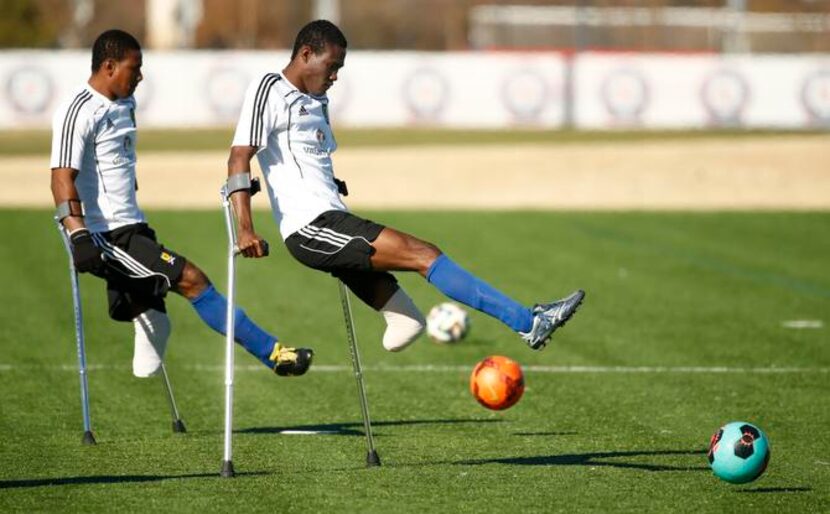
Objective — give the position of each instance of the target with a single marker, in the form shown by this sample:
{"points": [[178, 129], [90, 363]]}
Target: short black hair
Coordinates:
{"points": [[316, 35], [112, 44]]}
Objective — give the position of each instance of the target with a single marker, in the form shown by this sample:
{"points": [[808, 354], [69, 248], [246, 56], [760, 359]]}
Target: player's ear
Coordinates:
{"points": [[305, 53], [108, 66]]}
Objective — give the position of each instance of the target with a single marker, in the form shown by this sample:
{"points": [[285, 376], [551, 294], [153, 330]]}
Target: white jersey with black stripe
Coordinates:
{"points": [[96, 137], [294, 139]]}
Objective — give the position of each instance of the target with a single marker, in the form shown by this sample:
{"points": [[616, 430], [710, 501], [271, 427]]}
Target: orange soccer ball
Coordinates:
{"points": [[497, 382]]}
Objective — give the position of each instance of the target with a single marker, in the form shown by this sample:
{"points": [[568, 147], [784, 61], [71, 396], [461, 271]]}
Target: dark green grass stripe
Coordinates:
{"points": [[705, 262]]}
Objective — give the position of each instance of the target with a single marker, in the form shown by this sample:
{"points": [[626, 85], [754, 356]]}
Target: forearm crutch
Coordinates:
{"points": [[79, 336], [372, 458], [233, 250], [178, 424]]}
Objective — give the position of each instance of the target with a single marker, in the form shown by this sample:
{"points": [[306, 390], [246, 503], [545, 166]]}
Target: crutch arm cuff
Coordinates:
{"points": [[72, 207], [241, 182], [238, 182]]}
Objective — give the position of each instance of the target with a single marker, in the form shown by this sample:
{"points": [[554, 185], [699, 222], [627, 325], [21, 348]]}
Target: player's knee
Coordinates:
{"points": [[404, 322], [152, 331], [431, 251], [426, 253], [192, 282]]}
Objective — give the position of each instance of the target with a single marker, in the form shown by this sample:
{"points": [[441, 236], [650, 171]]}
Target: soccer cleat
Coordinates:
{"points": [[547, 317], [290, 362]]}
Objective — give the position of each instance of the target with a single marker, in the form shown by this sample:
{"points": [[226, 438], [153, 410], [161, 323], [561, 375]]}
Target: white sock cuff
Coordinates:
{"points": [[404, 322], [152, 330]]}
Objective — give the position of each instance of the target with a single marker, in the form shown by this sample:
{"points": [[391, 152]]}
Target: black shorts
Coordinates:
{"points": [[339, 243], [139, 270]]}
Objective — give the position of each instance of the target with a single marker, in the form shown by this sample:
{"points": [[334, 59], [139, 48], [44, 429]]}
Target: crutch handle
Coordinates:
{"points": [[265, 249]]}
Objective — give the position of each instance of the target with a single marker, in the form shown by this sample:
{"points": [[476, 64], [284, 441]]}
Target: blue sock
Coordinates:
{"points": [[460, 285], [212, 308]]}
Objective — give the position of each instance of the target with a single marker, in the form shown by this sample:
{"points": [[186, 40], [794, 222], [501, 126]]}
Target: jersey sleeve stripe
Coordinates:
{"points": [[259, 107], [69, 128], [66, 121], [256, 100]]}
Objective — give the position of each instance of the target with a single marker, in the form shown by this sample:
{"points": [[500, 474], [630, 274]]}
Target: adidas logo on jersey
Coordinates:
{"points": [[303, 112]]}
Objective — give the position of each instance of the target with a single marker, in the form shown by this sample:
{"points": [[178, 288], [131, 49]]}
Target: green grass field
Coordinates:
{"points": [[616, 416]]}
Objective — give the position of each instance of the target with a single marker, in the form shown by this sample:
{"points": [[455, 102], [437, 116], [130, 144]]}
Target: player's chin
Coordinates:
{"points": [[126, 93], [325, 87]]}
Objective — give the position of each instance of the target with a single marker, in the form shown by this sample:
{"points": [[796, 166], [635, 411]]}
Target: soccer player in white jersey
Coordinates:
{"points": [[94, 186], [285, 123]]}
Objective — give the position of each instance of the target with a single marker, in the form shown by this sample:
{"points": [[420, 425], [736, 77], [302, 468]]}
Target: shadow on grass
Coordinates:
{"points": [[539, 434], [107, 479], [776, 490], [597, 459], [355, 428]]}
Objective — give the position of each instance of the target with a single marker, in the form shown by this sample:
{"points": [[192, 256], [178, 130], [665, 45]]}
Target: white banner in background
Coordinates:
{"points": [[687, 91], [455, 89], [205, 89]]}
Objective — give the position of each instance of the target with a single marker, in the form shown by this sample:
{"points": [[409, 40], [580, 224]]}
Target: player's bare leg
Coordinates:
{"points": [[397, 251]]}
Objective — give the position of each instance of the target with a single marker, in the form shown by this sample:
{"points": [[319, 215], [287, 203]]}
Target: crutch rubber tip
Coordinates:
{"points": [[227, 469], [178, 427], [88, 438], [372, 459]]}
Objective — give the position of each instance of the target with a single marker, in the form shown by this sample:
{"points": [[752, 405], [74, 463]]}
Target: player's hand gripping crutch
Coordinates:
{"points": [[233, 250], [372, 458], [88, 438]]}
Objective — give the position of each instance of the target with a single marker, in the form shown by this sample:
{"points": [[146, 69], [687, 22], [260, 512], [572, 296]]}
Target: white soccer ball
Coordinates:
{"points": [[447, 323]]}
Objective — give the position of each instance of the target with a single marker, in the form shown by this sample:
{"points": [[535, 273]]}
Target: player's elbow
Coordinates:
{"points": [[61, 184], [239, 159]]}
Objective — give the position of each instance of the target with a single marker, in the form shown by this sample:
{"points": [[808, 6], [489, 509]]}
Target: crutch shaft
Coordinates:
{"points": [[227, 459], [88, 438], [372, 458], [178, 424]]}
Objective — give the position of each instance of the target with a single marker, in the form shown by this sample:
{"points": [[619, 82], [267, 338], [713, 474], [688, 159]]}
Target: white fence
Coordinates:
{"points": [[487, 90]]}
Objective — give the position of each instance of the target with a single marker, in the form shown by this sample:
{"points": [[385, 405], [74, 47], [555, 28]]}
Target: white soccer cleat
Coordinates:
{"points": [[547, 317]]}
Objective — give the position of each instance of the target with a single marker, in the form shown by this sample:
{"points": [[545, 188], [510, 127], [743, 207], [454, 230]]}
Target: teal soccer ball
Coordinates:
{"points": [[738, 452]]}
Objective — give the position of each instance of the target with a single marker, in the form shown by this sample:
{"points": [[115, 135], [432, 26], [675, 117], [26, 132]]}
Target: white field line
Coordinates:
{"points": [[431, 368], [802, 323]]}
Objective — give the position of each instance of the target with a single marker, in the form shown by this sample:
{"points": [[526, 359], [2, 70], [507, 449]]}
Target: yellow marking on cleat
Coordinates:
{"points": [[276, 353]]}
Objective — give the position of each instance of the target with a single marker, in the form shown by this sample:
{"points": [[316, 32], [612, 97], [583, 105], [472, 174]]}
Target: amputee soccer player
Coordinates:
{"points": [[285, 123], [94, 186]]}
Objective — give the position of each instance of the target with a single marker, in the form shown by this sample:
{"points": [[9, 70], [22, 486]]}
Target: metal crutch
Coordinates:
{"points": [[79, 336], [227, 459], [372, 458], [178, 424]]}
